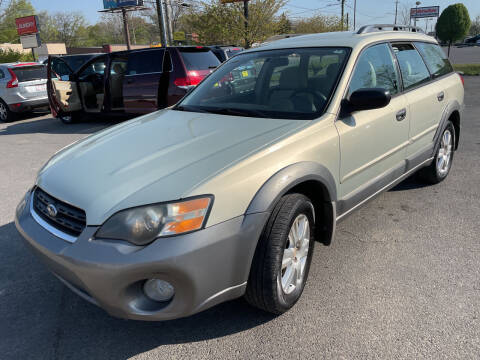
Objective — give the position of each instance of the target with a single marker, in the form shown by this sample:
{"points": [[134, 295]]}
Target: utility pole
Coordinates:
{"points": [[348, 22], [125, 28], [245, 13], [161, 24], [168, 20], [343, 13], [354, 14], [396, 11]]}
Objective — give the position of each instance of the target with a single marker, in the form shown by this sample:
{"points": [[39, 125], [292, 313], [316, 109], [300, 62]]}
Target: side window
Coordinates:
{"points": [[95, 68], [145, 62], [2, 74], [376, 69], [435, 57], [414, 71]]}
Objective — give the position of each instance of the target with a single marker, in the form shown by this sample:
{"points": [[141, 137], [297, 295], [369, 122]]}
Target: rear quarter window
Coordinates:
{"points": [[196, 59], [30, 73], [414, 71], [436, 59]]}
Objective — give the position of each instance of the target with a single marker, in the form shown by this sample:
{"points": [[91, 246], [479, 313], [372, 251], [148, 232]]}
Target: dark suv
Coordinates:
{"points": [[126, 83]]}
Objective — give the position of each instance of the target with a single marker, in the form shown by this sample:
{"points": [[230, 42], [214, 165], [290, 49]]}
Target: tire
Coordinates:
{"points": [[440, 167], [270, 287], [5, 114], [69, 119]]}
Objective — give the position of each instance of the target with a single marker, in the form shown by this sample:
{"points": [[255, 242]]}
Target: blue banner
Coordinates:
{"points": [[114, 4]]}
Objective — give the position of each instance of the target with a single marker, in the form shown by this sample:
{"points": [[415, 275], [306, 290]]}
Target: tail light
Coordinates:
{"points": [[13, 83], [193, 78], [463, 79]]}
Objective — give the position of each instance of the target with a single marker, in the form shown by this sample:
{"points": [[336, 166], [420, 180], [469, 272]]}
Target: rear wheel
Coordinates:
{"points": [[69, 118], [282, 259], [5, 114], [440, 167]]}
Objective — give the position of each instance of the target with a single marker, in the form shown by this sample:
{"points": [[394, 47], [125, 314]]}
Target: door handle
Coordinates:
{"points": [[441, 96], [401, 115], [130, 81]]}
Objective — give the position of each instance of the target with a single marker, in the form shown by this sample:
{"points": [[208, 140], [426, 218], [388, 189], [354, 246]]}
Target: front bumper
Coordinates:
{"points": [[206, 267], [29, 105]]}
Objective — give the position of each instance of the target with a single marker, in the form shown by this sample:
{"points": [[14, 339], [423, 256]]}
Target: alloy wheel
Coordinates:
{"points": [[295, 254], [444, 153]]}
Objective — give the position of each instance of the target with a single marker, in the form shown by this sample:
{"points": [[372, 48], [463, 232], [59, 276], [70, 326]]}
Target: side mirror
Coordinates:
{"points": [[65, 77], [368, 99]]}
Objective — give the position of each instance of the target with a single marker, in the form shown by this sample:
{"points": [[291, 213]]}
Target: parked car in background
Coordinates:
{"points": [[223, 53], [22, 89], [126, 83], [472, 41]]}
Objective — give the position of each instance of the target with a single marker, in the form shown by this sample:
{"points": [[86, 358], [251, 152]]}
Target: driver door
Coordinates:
{"points": [[373, 142], [63, 94]]}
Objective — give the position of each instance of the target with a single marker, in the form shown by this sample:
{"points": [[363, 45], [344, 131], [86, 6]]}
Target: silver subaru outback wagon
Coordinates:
{"points": [[225, 194], [22, 88]]}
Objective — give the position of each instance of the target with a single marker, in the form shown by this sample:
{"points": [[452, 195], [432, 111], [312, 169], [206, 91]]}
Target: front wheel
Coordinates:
{"points": [[440, 167], [282, 259]]}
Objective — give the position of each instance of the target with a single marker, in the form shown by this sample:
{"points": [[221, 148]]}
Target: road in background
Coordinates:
{"points": [[464, 55], [401, 280]]}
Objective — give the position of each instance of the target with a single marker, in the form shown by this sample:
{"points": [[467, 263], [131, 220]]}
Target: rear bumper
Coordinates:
{"points": [[29, 105], [206, 267]]}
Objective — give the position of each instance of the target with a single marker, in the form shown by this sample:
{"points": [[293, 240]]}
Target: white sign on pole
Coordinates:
{"points": [[30, 41]]}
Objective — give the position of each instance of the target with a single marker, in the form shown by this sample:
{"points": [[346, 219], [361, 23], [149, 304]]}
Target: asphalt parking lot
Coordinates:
{"points": [[464, 55], [401, 280]]}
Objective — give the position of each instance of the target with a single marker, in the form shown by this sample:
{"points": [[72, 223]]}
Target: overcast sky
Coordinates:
{"points": [[368, 11]]}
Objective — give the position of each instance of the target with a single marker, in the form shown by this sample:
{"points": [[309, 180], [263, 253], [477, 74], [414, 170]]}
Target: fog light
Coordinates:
{"points": [[158, 290]]}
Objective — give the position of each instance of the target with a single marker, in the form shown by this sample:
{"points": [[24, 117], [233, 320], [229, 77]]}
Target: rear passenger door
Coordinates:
{"points": [[141, 83], [373, 142], [424, 107]]}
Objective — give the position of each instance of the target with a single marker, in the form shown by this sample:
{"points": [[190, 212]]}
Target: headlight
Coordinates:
{"points": [[142, 225]]}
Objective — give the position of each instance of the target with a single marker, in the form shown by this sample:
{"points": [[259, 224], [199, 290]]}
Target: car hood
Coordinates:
{"points": [[159, 157]]}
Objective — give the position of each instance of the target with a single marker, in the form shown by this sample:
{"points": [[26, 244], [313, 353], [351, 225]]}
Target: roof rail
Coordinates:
{"points": [[394, 27]]}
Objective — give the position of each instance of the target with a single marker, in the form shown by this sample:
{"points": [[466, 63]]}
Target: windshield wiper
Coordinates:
{"points": [[189, 108], [237, 112]]}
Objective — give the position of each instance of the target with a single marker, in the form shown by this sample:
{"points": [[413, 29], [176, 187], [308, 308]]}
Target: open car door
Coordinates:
{"points": [[63, 95]]}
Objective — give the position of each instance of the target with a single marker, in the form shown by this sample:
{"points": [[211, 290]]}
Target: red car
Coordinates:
{"points": [[126, 83]]}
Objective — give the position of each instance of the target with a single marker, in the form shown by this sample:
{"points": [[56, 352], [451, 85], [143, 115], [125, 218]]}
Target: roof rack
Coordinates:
{"points": [[382, 27]]}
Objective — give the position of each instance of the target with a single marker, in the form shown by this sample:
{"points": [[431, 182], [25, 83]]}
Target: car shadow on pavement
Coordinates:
{"points": [[410, 183], [41, 318], [50, 125]]}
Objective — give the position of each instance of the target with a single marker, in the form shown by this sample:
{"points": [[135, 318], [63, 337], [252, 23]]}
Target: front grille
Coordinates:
{"points": [[69, 219]]}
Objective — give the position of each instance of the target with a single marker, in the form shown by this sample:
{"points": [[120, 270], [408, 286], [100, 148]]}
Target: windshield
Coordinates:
{"points": [[286, 84]]}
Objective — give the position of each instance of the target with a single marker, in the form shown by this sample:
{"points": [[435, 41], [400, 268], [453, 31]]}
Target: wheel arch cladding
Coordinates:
{"points": [[453, 113], [310, 179]]}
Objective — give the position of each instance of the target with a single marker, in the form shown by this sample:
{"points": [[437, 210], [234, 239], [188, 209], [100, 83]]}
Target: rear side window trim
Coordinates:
{"points": [[430, 78], [391, 42], [433, 76]]}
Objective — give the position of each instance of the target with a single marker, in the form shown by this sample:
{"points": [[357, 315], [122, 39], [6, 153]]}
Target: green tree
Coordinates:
{"points": [[217, 23], [284, 25], [318, 24], [8, 56], [13, 10], [453, 24]]}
